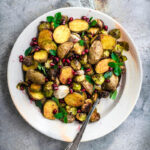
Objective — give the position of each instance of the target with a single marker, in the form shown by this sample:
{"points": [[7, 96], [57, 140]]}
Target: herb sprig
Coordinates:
{"points": [[42, 68], [113, 95], [81, 42], [53, 52], [28, 51]]}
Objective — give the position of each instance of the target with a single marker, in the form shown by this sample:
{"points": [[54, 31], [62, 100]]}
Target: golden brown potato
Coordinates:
{"points": [[108, 42], [26, 68], [44, 35], [65, 73], [78, 25], [95, 52], [95, 116], [88, 86], [36, 95], [63, 49], [61, 34], [48, 109], [75, 64], [102, 65], [74, 99], [48, 45], [112, 85], [35, 76], [40, 56], [35, 87], [93, 30], [78, 49]]}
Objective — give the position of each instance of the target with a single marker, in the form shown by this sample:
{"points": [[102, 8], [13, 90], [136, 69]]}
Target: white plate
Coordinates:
{"points": [[113, 113]]}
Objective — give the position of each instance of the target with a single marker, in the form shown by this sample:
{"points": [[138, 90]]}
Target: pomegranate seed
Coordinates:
{"points": [[86, 50], [31, 99], [31, 44], [64, 22], [35, 43], [71, 58], [68, 61], [88, 20], [71, 85], [84, 17], [87, 70], [71, 91], [51, 57], [110, 69], [20, 57], [36, 49], [74, 73], [88, 96], [107, 80], [83, 90], [52, 64], [105, 27], [70, 80], [61, 101], [64, 60], [54, 111], [21, 88], [77, 56], [46, 79], [83, 53], [78, 111], [95, 91], [71, 19], [59, 66], [57, 59], [55, 85], [55, 88], [34, 39]]}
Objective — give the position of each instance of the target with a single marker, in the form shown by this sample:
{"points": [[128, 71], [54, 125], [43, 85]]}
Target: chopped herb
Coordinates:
{"points": [[82, 35], [52, 52], [107, 75], [112, 64], [82, 67], [91, 19], [117, 70], [89, 79], [59, 115], [28, 51], [115, 57], [50, 19], [42, 68], [55, 66], [81, 42], [93, 23], [113, 95], [58, 17], [39, 104], [56, 100], [65, 119]]}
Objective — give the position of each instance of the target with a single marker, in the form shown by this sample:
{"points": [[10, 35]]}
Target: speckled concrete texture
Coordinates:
{"points": [[134, 133]]}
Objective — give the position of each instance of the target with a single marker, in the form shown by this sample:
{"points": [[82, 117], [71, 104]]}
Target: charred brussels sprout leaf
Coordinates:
{"points": [[115, 33], [124, 44]]}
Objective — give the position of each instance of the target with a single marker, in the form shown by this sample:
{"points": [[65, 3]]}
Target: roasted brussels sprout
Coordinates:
{"points": [[87, 41], [93, 30], [106, 53], [88, 86], [35, 87], [123, 58], [71, 110], [43, 26], [79, 78], [70, 118], [118, 49], [75, 64], [84, 59], [48, 89], [95, 116], [40, 56], [47, 63], [78, 49], [104, 94], [94, 97], [64, 19], [81, 117], [21, 85], [124, 44], [74, 37], [28, 61], [91, 71], [98, 88], [80, 72], [100, 23], [98, 78], [36, 95], [76, 87], [52, 73], [87, 106], [115, 33], [33, 66]]}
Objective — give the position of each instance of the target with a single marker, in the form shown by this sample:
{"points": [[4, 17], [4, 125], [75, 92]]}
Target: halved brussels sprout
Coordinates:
{"points": [[87, 106], [98, 78], [84, 59], [75, 64], [28, 61], [93, 30], [81, 116], [71, 110], [95, 116], [123, 58], [70, 118], [47, 63], [115, 33], [118, 49], [35, 87], [43, 26], [79, 78], [36, 95], [52, 73], [106, 53], [124, 44], [100, 23], [48, 89], [94, 97], [26, 68], [77, 87]]}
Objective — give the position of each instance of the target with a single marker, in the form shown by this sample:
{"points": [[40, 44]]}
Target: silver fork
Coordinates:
{"points": [[75, 144]]}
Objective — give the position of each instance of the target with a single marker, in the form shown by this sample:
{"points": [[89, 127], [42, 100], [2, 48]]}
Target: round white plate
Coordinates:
{"points": [[113, 113]]}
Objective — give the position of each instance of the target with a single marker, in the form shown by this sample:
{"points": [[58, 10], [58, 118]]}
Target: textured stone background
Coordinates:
{"points": [[16, 134]]}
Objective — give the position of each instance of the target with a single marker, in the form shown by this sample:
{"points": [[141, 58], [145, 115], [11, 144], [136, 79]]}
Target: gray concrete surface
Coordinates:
{"points": [[133, 134]]}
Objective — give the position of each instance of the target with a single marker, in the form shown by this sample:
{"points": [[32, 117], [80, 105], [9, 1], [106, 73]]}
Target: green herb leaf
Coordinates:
{"points": [[39, 66], [82, 35], [50, 19], [81, 42], [58, 16], [82, 67], [65, 119], [113, 95], [42, 68], [115, 57], [56, 100], [39, 104], [59, 115], [55, 66], [117, 71], [91, 19], [52, 52], [28, 51], [112, 64], [89, 79], [93, 23], [107, 75], [121, 64]]}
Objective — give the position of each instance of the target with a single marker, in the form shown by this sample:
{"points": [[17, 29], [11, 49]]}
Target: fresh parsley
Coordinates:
{"points": [[91, 19], [39, 104], [81, 42], [82, 67], [50, 19], [55, 66], [113, 95], [52, 52], [108, 75], [89, 79], [28, 51], [42, 68], [82, 34], [93, 23]]}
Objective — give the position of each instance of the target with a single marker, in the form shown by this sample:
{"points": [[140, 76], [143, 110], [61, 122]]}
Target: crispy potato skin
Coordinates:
{"points": [[78, 49], [61, 34], [63, 49], [102, 65], [108, 42], [40, 56], [65, 73], [95, 116], [36, 95], [95, 52], [48, 109], [26, 68], [88, 86], [74, 99], [78, 25]]}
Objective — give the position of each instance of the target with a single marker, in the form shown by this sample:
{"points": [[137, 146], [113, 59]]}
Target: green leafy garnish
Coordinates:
{"points": [[65, 120], [81, 42], [59, 115], [89, 79], [39, 104], [91, 19], [52, 52], [50, 19], [82, 35], [28, 51], [55, 66], [115, 57], [93, 23], [113, 95], [82, 67], [56, 101], [58, 17], [108, 75], [42, 68]]}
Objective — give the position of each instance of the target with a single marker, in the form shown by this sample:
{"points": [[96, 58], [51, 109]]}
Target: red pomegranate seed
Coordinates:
{"points": [[54, 111], [71, 19], [107, 80], [55, 85], [34, 39], [68, 61], [74, 73], [52, 64], [31, 44], [35, 43], [83, 53], [78, 111], [71, 85], [88, 20], [36, 49], [31, 99], [21, 60], [77, 56], [110, 69], [20, 57], [64, 60], [87, 70], [83, 90], [21, 88], [46, 79], [61, 101], [71, 91], [86, 50], [55, 88], [106, 27], [64, 22], [59, 66], [57, 59], [71, 58], [70, 80], [84, 17], [88, 96], [95, 91], [51, 57]]}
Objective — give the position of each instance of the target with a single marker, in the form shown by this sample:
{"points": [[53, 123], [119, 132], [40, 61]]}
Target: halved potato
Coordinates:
{"points": [[35, 95], [48, 109], [78, 25], [65, 73], [35, 87], [40, 56], [26, 68], [88, 86], [108, 42], [48, 45], [102, 65], [74, 99], [61, 34], [78, 49], [63, 49]]}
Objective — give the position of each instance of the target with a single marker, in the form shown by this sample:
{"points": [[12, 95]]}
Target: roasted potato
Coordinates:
{"points": [[76, 87], [78, 25], [40, 56], [44, 26], [74, 99], [28, 61], [48, 109], [81, 116], [115, 33], [48, 89], [71, 110], [35, 87], [95, 116], [36, 95], [65, 73], [98, 78], [112, 85], [61, 34], [78, 49], [62, 91], [95, 52], [108, 42], [26, 68], [79, 78], [102, 65], [75, 64], [74, 37], [35, 76], [63, 49], [93, 30], [48, 45], [94, 97], [88, 86]]}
